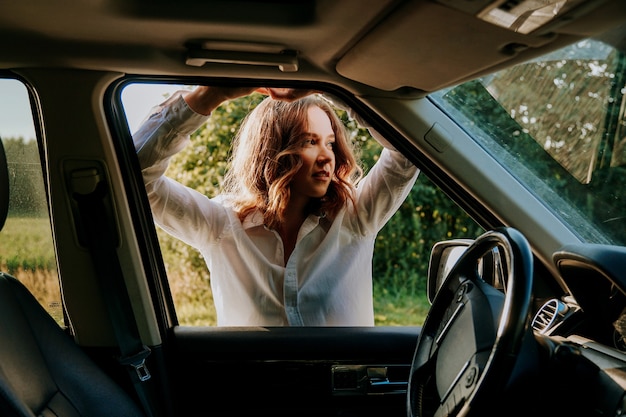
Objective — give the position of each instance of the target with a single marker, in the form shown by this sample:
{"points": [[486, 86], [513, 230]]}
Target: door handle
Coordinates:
{"points": [[369, 379]]}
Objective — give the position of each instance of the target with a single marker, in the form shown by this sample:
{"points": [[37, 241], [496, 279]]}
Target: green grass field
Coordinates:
{"points": [[26, 252], [27, 243]]}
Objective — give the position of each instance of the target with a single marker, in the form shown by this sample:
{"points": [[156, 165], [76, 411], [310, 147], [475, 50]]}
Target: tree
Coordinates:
{"points": [[25, 178]]}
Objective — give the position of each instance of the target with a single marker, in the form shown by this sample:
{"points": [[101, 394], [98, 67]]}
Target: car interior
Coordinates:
{"points": [[528, 318]]}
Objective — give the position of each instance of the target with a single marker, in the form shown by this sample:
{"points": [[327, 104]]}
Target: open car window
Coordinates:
{"points": [[528, 117], [402, 248]]}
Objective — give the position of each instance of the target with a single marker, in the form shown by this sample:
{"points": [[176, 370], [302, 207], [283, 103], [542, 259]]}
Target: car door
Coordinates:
{"points": [[281, 371]]}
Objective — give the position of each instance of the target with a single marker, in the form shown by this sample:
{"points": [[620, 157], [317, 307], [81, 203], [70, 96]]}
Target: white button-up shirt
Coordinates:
{"points": [[327, 280]]}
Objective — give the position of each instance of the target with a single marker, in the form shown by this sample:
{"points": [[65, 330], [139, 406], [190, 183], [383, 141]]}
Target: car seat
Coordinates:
{"points": [[43, 372]]}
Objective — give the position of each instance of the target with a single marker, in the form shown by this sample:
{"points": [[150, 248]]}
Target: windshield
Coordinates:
{"points": [[557, 124]]}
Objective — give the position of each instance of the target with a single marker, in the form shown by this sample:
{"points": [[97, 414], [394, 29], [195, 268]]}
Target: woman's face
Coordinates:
{"points": [[318, 158]]}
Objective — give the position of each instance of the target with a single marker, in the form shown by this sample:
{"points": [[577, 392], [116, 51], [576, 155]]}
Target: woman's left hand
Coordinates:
{"points": [[286, 94]]}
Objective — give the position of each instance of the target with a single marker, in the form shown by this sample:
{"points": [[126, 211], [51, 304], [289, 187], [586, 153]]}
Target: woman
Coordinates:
{"points": [[290, 239]]}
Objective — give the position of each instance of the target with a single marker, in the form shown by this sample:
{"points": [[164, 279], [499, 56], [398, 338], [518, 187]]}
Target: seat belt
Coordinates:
{"points": [[99, 234]]}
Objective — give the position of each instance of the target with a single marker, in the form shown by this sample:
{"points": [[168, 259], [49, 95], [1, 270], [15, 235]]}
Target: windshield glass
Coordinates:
{"points": [[557, 123]]}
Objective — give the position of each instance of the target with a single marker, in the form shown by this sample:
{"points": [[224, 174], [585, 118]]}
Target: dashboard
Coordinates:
{"points": [[595, 307]]}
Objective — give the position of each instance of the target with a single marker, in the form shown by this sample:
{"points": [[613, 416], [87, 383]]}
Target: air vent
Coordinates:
{"points": [[548, 315]]}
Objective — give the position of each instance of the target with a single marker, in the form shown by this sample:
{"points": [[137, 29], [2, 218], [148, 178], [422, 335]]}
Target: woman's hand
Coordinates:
{"points": [[286, 94], [205, 99]]}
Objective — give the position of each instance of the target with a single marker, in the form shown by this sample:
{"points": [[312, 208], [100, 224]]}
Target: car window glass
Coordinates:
{"points": [[402, 248], [558, 124], [26, 245]]}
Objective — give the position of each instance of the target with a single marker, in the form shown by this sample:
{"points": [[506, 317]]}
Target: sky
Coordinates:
{"points": [[16, 120], [15, 116], [138, 99]]}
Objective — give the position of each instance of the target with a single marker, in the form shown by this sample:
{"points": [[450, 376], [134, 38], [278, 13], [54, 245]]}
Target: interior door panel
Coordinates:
{"points": [[280, 371]]}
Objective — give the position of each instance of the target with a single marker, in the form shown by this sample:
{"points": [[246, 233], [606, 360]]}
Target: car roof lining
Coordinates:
{"points": [[153, 37]]}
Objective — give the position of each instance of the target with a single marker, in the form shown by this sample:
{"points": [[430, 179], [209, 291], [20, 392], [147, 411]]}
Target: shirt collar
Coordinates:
{"points": [[255, 219]]}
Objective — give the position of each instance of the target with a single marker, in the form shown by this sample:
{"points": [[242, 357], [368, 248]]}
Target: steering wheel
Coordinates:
{"points": [[473, 332]]}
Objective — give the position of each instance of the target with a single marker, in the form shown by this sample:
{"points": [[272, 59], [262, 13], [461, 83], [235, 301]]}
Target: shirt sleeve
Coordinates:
{"points": [[164, 133], [383, 190], [337, 102], [180, 210]]}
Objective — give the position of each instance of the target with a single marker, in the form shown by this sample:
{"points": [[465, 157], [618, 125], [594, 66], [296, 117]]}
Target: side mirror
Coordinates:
{"points": [[443, 257], [445, 254]]}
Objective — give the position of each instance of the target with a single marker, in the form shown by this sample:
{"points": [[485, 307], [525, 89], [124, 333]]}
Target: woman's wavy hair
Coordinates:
{"points": [[265, 159]]}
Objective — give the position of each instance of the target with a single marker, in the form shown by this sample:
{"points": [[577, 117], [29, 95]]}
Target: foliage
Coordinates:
{"points": [[25, 177], [26, 244], [569, 129], [398, 308]]}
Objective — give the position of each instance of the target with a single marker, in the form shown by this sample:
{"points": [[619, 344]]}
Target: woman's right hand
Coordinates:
{"points": [[205, 99]]}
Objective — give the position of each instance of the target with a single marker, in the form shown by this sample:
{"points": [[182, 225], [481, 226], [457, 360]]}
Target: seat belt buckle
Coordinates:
{"points": [[138, 362], [142, 370]]}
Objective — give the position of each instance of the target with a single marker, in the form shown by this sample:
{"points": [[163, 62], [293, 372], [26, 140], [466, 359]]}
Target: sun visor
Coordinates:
{"points": [[440, 54]]}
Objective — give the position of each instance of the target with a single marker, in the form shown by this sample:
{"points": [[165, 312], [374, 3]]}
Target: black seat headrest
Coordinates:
{"points": [[4, 186]]}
